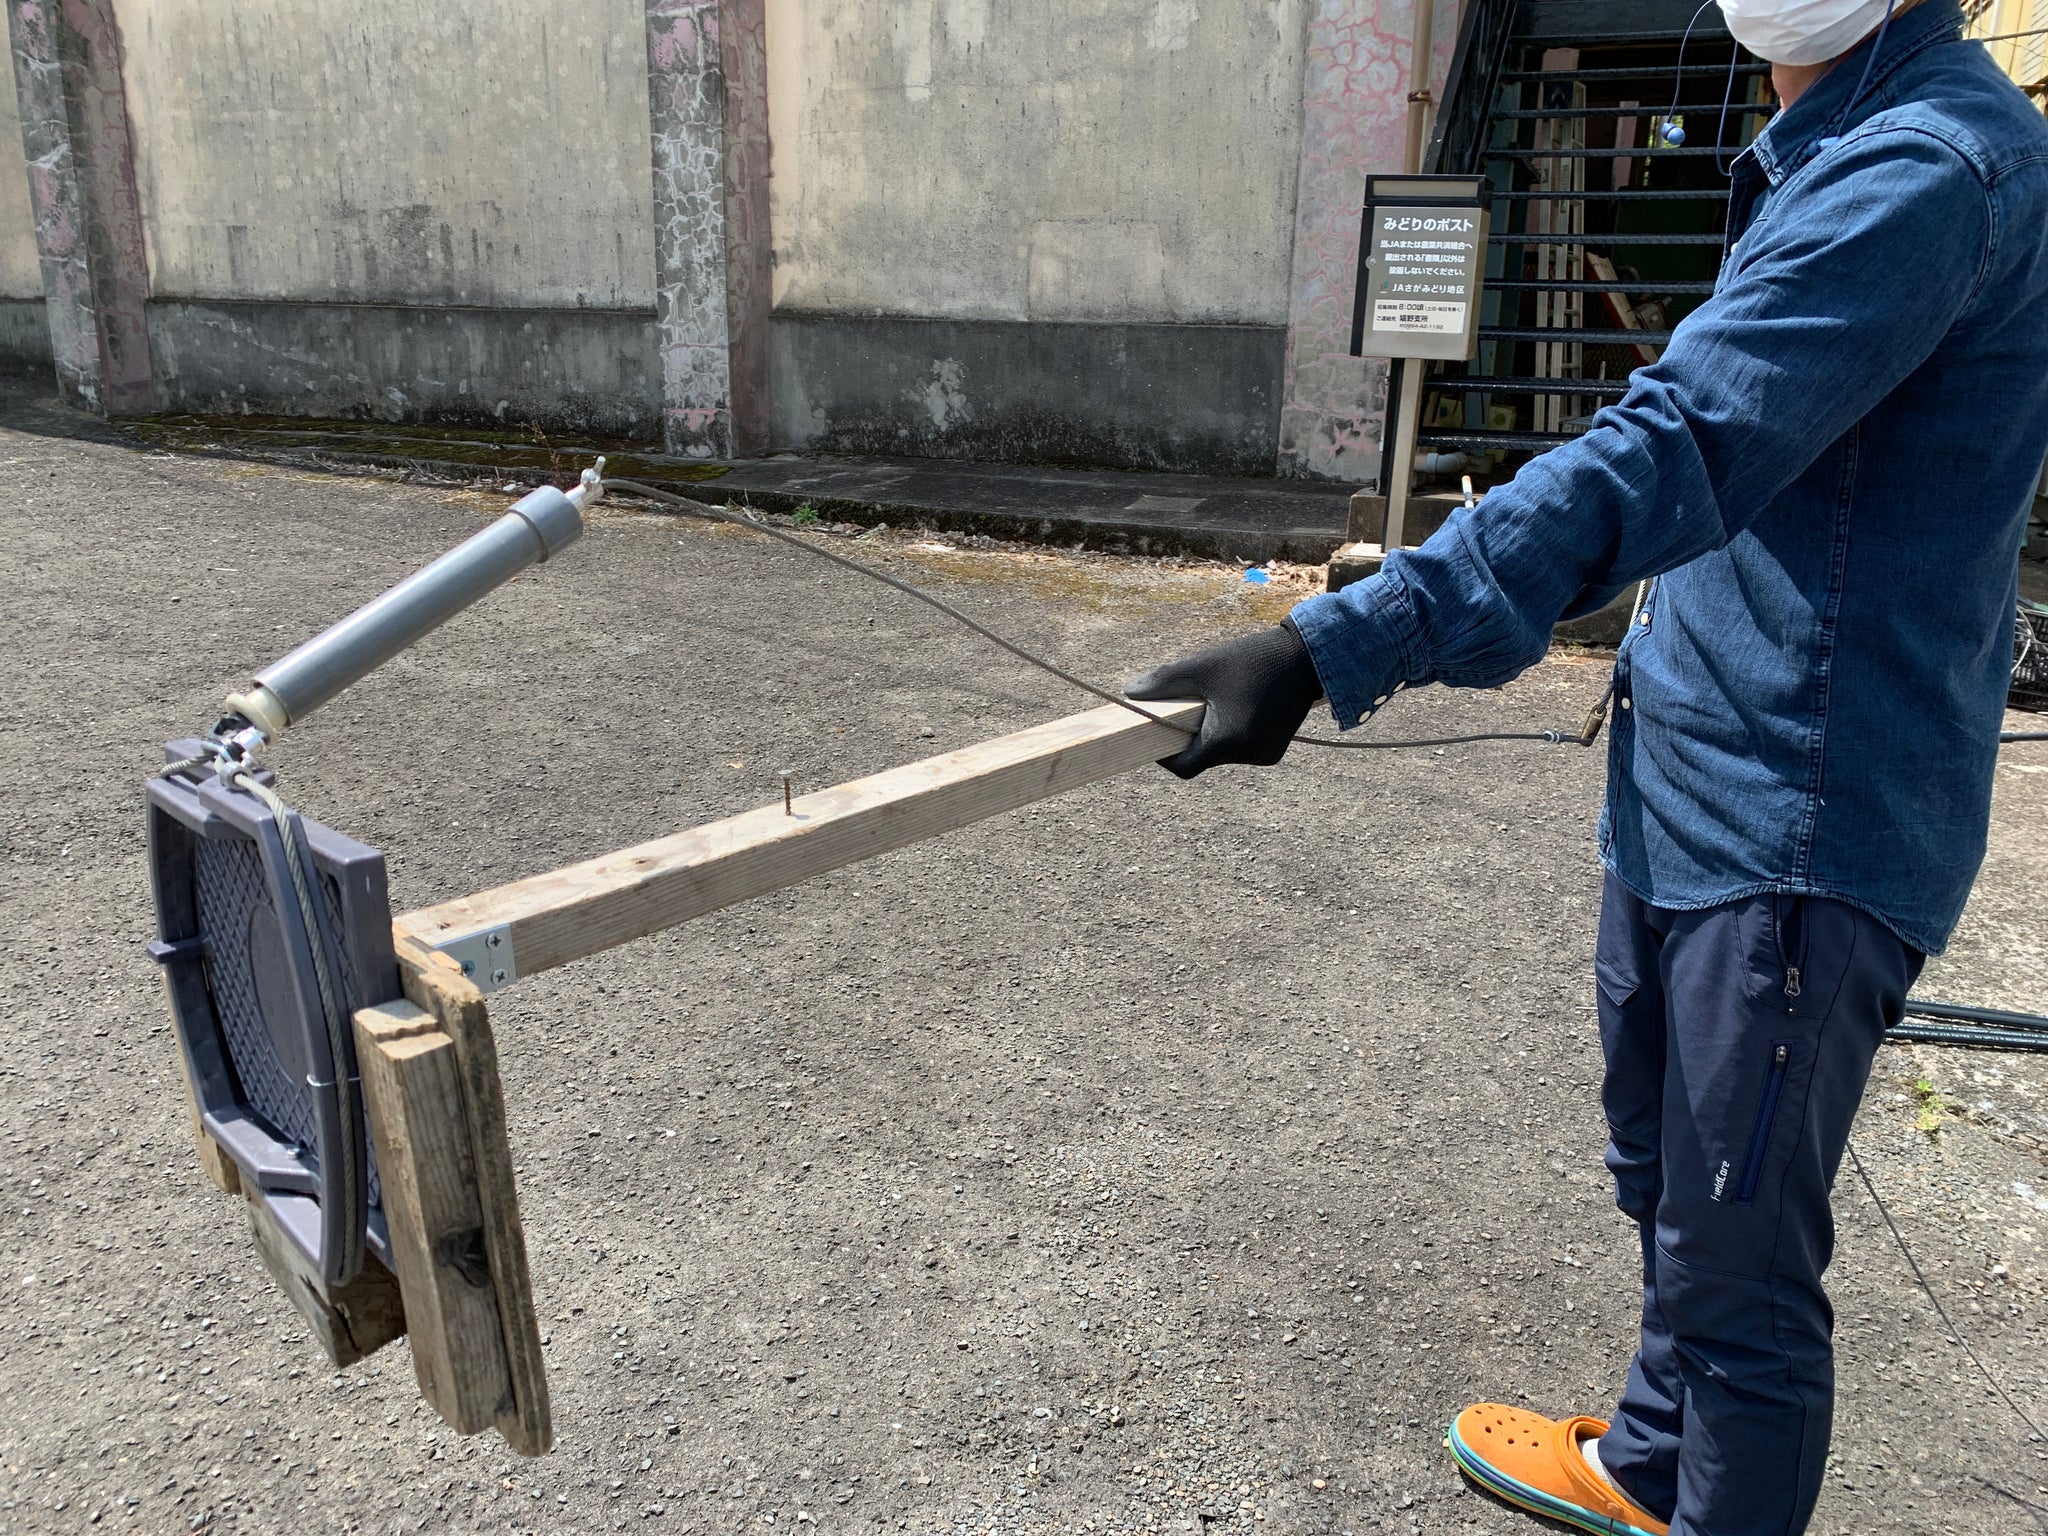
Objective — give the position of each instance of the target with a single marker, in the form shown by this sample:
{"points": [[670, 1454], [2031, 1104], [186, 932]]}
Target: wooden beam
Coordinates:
{"points": [[412, 1091], [213, 1162], [348, 1322], [586, 908], [436, 985]]}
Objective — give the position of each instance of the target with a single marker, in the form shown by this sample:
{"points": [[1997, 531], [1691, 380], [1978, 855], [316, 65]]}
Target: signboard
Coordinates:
{"points": [[1423, 263]]}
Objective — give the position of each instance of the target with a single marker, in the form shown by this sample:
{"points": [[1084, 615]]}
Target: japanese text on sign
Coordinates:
{"points": [[1408, 223], [1425, 266]]}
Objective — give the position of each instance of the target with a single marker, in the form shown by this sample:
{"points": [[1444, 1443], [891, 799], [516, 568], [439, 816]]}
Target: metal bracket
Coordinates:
{"points": [[485, 957]]}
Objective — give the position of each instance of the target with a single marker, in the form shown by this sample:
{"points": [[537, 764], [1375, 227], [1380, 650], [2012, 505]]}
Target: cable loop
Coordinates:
{"points": [[712, 513]]}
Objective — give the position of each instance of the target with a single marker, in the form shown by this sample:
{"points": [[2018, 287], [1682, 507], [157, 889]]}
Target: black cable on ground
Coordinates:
{"points": [[1969, 1013], [692, 508], [1942, 1312], [1968, 1034]]}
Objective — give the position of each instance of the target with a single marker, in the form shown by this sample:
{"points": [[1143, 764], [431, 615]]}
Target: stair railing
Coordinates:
{"points": [[1474, 80]]}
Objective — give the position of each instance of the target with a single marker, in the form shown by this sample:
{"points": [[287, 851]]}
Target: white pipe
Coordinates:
{"points": [[1421, 55]]}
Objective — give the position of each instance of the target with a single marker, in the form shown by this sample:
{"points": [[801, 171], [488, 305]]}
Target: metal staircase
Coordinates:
{"points": [[1603, 236]]}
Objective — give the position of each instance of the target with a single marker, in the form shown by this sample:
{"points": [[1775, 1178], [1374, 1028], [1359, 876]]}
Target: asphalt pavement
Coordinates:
{"points": [[1162, 1158]]}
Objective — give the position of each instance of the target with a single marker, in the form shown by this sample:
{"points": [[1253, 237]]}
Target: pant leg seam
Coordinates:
{"points": [[1778, 1230]]}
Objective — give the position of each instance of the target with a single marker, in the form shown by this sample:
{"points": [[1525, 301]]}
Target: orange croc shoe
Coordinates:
{"points": [[1536, 1464]]}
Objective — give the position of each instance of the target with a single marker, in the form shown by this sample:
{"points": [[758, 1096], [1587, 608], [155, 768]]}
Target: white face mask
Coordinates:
{"points": [[1802, 31]]}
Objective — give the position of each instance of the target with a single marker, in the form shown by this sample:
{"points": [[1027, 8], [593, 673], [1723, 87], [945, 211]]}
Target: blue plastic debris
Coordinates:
{"points": [[1257, 577]]}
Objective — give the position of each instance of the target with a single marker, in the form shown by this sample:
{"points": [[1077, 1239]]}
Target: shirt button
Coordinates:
{"points": [[1624, 704], [1645, 619], [1376, 703]]}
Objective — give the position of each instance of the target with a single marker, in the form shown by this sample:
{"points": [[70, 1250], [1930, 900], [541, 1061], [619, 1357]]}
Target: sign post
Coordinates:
{"points": [[1421, 267]]}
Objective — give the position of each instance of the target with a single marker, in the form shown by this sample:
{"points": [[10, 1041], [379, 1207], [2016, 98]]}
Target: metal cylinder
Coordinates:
{"points": [[538, 526]]}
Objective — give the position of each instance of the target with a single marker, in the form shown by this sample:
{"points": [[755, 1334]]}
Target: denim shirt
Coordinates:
{"points": [[1829, 471]]}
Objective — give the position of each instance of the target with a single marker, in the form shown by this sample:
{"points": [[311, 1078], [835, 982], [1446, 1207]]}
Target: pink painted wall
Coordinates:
{"points": [[707, 84], [81, 179], [1354, 123], [748, 279]]}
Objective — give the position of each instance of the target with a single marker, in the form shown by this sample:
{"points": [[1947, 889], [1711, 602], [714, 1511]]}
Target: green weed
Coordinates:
{"points": [[1931, 1109]]}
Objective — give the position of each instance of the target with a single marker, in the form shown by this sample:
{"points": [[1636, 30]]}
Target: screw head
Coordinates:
{"points": [[498, 976]]}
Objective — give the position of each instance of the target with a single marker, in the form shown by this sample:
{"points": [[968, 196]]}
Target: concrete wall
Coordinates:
{"points": [[490, 154], [1354, 112], [1127, 165], [24, 334], [1111, 160], [1067, 231], [21, 275]]}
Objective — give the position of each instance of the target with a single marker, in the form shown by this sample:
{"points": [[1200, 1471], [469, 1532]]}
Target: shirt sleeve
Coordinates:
{"points": [[1843, 287]]}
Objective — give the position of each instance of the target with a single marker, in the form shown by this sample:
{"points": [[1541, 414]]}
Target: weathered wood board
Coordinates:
{"points": [[433, 1210], [435, 985], [349, 1321], [569, 913]]}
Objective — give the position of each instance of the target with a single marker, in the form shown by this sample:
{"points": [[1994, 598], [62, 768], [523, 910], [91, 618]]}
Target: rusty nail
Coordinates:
{"points": [[788, 808]]}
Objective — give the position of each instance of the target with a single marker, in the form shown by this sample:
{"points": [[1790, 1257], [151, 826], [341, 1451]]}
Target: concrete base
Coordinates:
{"points": [[590, 370], [1353, 562], [1358, 560], [1225, 517], [25, 336], [1230, 517], [1201, 399], [1365, 529], [1425, 514]]}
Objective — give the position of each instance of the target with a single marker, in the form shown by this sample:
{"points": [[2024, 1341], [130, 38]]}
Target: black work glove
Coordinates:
{"points": [[1258, 688]]}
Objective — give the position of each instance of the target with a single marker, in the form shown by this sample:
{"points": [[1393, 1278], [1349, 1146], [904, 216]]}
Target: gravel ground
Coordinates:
{"points": [[1167, 1157]]}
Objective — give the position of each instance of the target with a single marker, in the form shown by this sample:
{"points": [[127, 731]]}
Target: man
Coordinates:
{"points": [[1828, 474]]}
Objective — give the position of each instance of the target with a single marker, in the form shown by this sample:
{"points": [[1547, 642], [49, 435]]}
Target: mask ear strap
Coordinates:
{"points": [[1871, 63], [1727, 99]]}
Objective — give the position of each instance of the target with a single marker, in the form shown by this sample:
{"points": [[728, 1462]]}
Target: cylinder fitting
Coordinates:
{"points": [[538, 526]]}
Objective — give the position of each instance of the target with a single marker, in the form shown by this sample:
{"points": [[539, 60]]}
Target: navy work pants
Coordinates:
{"points": [[1738, 1042]]}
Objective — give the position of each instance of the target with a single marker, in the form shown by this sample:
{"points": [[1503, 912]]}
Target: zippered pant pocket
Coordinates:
{"points": [[1766, 1120]]}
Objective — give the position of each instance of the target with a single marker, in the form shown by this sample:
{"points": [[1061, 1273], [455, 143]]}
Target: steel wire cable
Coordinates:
{"points": [[1584, 737], [184, 765], [340, 1048], [1920, 1275], [711, 513], [720, 514]]}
